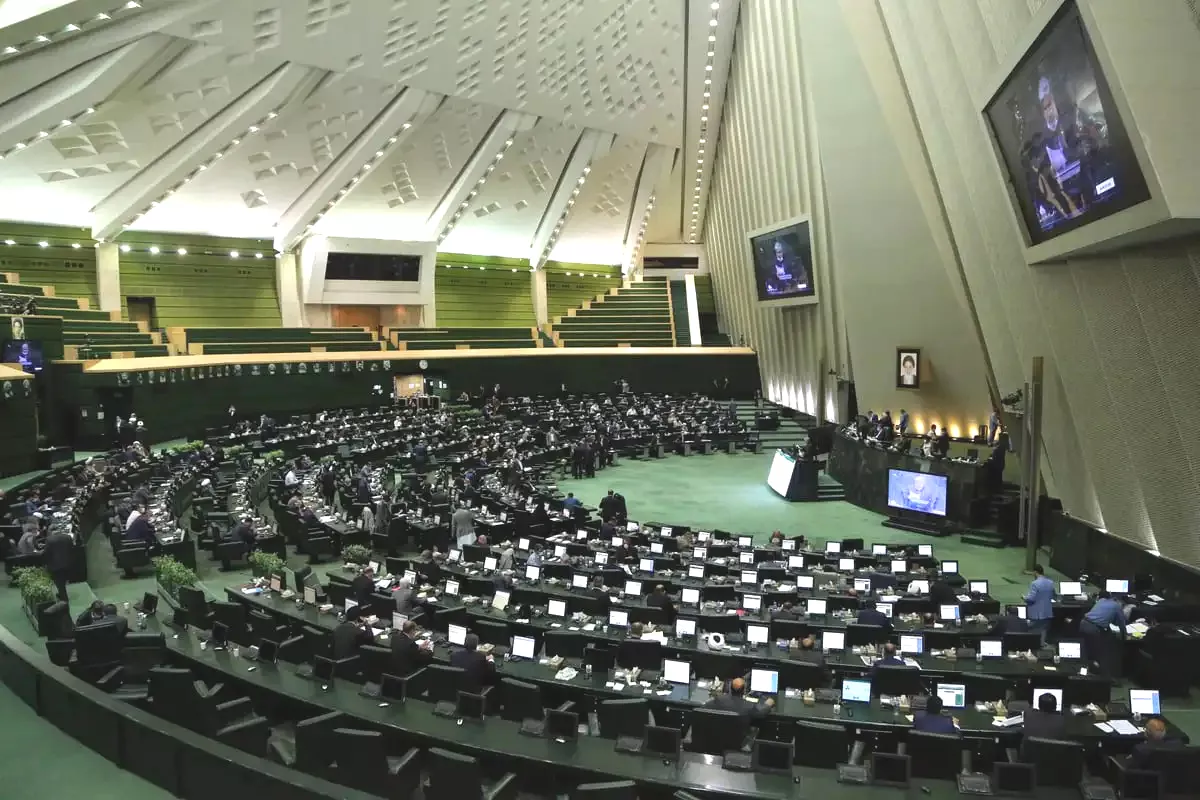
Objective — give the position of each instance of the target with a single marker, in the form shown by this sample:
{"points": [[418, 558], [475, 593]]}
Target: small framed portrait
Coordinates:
{"points": [[908, 368]]}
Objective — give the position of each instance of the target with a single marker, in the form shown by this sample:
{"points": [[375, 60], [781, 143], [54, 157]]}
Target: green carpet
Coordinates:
{"points": [[705, 492]]}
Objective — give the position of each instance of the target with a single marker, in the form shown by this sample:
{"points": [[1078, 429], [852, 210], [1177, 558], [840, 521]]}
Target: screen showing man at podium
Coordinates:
{"points": [[916, 491]]}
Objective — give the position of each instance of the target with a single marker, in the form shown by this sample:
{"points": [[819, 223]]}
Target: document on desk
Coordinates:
{"points": [[1124, 727], [1104, 726], [889, 598], [912, 662], [252, 590], [591, 626], [1155, 598], [1009, 722], [868, 661], [964, 598]]}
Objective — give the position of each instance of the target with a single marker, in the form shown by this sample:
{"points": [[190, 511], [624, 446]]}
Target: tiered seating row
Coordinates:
{"points": [[463, 338], [634, 316], [228, 341]]}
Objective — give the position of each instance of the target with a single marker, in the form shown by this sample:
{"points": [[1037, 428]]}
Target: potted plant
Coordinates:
{"points": [[264, 565], [355, 554], [171, 575], [273, 456], [38, 593]]}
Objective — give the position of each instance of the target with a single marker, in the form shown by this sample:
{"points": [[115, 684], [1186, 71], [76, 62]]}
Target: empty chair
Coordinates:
{"points": [[715, 732], [520, 700], [493, 633], [984, 688], [622, 717], [1056, 762], [613, 790], [860, 634], [361, 761], [820, 744], [458, 776], [935, 755], [308, 746], [894, 681], [564, 643]]}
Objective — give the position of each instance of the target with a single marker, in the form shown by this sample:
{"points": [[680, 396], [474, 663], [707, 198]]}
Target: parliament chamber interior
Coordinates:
{"points": [[657, 400]]}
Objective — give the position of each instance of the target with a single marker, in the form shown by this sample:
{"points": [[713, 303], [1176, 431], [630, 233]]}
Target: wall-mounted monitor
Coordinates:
{"points": [[25, 352], [1060, 138], [917, 491], [782, 259], [373, 267]]}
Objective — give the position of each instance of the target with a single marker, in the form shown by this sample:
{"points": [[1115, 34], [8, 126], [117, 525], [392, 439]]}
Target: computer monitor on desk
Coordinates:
{"points": [[833, 547], [899, 567], [862, 584], [949, 613], [560, 551], [699, 553], [805, 582], [646, 565], [600, 558], [456, 634], [523, 647], [1144, 702], [977, 587], [817, 606], [490, 563], [925, 550], [656, 548], [685, 627], [523, 544], [788, 544], [1070, 650], [579, 580], [879, 549], [991, 648], [758, 634], [912, 644], [1116, 586], [953, 695], [745, 541], [833, 641], [1037, 693], [752, 602], [764, 681], [1070, 588], [795, 562], [633, 589], [918, 587], [749, 577], [532, 573], [618, 618], [948, 568], [856, 691], [690, 597], [676, 671], [845, 565], [557, 608], [696, 571]]}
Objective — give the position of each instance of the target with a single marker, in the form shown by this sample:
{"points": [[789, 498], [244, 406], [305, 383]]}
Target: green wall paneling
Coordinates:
{"points": [[705, 302], [70, 270], [480, 298], [186, 407], [205, 287]]}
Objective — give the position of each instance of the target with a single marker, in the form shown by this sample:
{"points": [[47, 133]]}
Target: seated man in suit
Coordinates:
{"points": [[659, 599], [363, 586], [600, 593], [478, 669], [91, 615], [1047, 722], [407, 655], [140, 531], [1156, 739], [873, 616], [736, 702], [244, 532], [350, 635], [931, 720], [890, 657]]}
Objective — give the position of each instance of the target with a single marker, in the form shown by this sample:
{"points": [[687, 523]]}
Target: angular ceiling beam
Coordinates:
{"points": [[486, 158], [592, 146], [22, 70], [212, 140], [342, 175], [72, 96], [655, 172]]}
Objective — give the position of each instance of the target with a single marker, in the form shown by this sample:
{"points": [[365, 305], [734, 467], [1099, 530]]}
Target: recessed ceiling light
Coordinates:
{"points": [[71, 28], [125, 248], [10, 50], [9, 242], [75, 245], [43, 38], [258, 255], [233, 254], [43, 244], [154, 251], [712, 23], [132, 4], [182, 251]]}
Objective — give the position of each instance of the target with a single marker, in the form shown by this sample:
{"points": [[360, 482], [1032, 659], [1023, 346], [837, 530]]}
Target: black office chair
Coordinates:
{"points": [[613, 790], [934, 755], [520, 700], [801, 674], [458, 776], [59, 651], [1141, 784], [820, 744], [564, 643], [1083, 689], [622, 717], [896, 680], [1179, 770], [497, 634], [131, 558], [361, 761], [984, 688], [307, 746], [228, 552], [859, 634], [715, 732], [1022, 642], [1057, 763]]}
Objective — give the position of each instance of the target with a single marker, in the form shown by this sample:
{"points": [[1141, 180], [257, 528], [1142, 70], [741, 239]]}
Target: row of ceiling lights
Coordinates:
{"points": [[66, 123], [641, 236], [70, 30], [127, 248], [708, 70], [465, 204], [358, 176], [562, 219], [252, 130], [518, 269]]}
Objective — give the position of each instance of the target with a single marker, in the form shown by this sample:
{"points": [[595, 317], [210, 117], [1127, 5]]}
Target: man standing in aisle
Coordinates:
{"points": [[1039, 602]]}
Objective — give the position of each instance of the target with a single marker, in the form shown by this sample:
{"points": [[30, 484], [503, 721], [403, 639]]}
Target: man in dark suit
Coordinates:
{"points": [[873, 616], [244, 533], [608, 506], [141, 497], [1156, 740], [477, 668], [942, 593], [57, 557], [328, 485], [363, 586], [890, 657], [931, 719], [659, 599], [350, 635], [140, 531], [407, 655], [735, 701], [1047, 722]]}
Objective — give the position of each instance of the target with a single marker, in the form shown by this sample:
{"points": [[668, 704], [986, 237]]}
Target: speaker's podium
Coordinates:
{"points": [[793, 478]]}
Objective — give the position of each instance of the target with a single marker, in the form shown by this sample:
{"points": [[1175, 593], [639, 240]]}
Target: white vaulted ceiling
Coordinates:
{"points": [[519, 128]]}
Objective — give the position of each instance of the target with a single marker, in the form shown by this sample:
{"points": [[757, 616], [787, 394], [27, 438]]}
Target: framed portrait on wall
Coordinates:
{"points": [[908, 368]]}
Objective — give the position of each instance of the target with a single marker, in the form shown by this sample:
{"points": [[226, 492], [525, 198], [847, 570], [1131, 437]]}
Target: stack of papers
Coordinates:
{"points": [[1124, 727]]}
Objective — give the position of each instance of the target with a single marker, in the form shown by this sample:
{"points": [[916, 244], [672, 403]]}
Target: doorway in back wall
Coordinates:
{"points": [[142, 309]]}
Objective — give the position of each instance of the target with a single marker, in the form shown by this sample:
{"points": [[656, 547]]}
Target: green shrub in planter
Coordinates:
{"points": [[264, 565], [355, 554], [35, 585], [274, 455], [171, 575]]}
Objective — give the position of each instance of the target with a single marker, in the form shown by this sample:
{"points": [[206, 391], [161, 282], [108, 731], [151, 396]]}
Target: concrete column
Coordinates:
{"points": [[693, 307], [287, 286], [537, 288], [108, 276]]}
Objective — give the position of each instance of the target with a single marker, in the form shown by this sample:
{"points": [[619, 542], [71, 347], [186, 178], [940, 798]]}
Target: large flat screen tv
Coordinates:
{"points": [[784, 272], [25, 352], [917, 491], [1060, 138]]}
